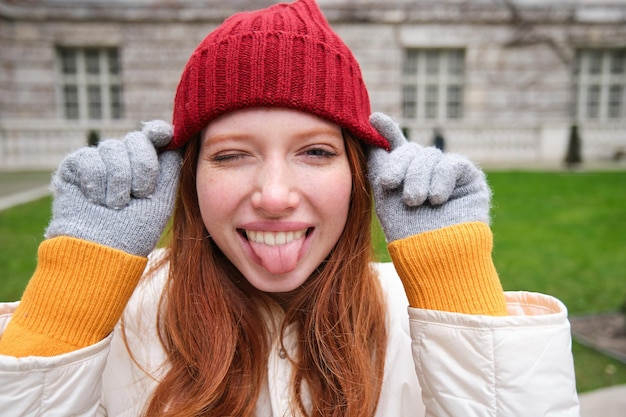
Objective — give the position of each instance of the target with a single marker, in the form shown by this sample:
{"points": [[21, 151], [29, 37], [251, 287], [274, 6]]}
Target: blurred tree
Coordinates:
{"points": [[93, 137], [438, 140], [573, 156]]}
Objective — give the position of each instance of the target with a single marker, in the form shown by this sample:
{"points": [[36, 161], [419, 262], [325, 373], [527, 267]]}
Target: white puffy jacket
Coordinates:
{"points": [[519, 365]]}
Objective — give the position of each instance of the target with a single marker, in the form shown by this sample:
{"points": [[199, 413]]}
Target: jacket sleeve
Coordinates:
{"points": [[67, 385], [516, 365]]}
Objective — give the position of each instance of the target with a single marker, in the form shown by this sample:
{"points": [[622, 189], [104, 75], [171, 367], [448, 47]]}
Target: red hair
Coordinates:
{"points": [[216, 337]]}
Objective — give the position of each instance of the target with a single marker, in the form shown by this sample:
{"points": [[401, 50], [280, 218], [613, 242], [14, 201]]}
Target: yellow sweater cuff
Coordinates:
{"points": [[450, 269], [74, 299]]}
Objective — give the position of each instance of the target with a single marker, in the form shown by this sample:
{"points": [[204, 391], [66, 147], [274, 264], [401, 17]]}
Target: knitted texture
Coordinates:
{"points": [[450, 269], [418, 189], [74, 299], [120, 194], [284, 56]]}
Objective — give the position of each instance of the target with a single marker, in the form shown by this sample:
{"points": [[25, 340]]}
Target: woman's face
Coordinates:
{"points": [[274, 190]]}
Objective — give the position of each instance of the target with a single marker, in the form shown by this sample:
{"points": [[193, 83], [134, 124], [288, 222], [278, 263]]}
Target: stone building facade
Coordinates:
{"points": [[503, 80]]}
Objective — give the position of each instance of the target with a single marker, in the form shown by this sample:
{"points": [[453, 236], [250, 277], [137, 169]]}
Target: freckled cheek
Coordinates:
{"points": [[215, 196], [333, 196]]}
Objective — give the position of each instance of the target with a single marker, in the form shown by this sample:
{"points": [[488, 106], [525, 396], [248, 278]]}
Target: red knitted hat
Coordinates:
{"points": [[283, 56]]}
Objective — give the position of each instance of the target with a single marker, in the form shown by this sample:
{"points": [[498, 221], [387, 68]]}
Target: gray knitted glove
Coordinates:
{"points": [[417, 189], [120, 194]]}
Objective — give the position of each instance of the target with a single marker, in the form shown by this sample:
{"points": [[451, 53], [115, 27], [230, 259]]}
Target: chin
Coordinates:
{"points": [[278, 284]]}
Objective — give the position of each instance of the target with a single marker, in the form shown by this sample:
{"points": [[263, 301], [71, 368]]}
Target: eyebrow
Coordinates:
{"points": [[235, 135], [320, 131], [222, 137]]}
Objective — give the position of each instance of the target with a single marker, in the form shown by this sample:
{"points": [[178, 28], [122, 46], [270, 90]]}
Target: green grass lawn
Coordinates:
{"points": [[21, 231], [562, 234]]}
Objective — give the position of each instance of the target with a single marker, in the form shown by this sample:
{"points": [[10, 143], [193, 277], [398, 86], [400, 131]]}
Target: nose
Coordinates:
{"points": [[275, 193]]}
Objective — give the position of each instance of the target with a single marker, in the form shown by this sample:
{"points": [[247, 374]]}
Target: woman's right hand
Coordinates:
{"points": [[119, 194]]}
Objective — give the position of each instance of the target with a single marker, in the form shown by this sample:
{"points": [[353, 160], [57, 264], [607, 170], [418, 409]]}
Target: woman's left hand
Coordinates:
{"points": [[418, 189]]}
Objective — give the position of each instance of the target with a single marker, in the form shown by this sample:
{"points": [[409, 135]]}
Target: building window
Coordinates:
{"points": [[91, 83], [433, 84], [600, 83]]}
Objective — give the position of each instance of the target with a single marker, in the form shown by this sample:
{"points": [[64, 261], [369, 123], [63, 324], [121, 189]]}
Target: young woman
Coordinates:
{"points": [[266, 301]]}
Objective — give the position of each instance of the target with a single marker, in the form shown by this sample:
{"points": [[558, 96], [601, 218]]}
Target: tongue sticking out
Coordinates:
{"points": [[278, 259]]}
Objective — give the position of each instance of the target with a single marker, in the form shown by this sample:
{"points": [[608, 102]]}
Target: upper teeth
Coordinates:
{"points": [[274, 238]]}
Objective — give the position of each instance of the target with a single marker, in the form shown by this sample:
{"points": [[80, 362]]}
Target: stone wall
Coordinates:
{"points": [[518, 58]]}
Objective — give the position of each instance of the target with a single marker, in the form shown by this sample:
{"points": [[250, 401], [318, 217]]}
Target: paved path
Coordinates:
{"points": [[22, 197], [21, 187], [606, 402]]}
